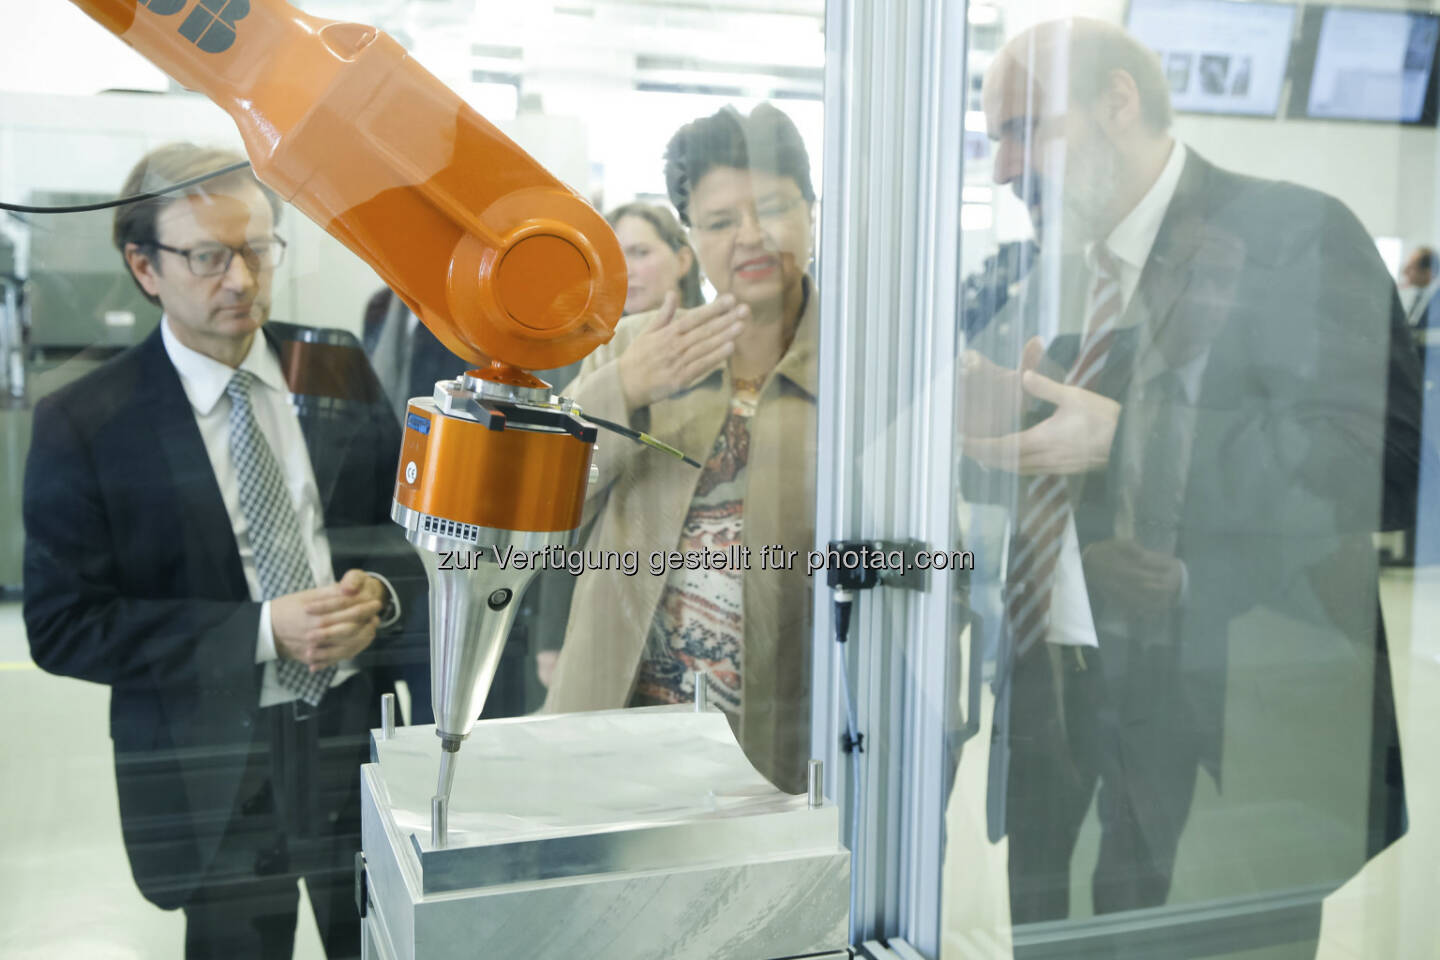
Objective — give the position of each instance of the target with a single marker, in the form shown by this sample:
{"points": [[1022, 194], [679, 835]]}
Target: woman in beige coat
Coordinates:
{"points": [[731, 383]]}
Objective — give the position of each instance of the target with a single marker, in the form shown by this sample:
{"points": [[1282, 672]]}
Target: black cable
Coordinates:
{"points": [[639, 437], [852, 741], [843, 602], [121, 201]]}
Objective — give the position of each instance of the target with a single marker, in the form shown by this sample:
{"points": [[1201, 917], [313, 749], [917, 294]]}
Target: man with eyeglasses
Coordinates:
{"points": [[198, 539]]}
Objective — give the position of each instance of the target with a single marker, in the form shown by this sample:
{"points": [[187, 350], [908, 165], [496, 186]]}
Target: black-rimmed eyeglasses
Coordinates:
{"points": [[213, 259]]}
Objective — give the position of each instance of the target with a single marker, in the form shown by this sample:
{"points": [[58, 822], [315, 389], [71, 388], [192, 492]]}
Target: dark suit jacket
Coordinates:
{"points": [[133, 578], [1302, 437], [430, 359]]}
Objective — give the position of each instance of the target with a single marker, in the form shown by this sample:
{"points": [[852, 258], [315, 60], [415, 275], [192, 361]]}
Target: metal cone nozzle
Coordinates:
{"points": [[473, 600], [476, 581]]}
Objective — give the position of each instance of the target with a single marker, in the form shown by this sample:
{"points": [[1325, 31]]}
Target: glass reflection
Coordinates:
{"points": [[1190, 418]]}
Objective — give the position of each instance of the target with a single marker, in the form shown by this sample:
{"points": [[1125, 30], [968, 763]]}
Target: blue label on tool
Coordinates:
{"points": [[418, 423]]}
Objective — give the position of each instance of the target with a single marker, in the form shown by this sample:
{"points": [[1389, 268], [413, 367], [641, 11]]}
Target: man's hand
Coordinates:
{"points": [[1074, 439], [322, 626], [994, 400], [679, 348], [1131, 579]]}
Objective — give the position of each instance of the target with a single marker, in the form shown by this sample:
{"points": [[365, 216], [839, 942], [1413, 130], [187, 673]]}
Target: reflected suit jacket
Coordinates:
{"points": [[133, 578], [1299, 399]]}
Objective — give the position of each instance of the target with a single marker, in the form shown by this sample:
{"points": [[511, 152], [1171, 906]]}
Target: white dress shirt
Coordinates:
{"points": [[1420, 302], [1410, 299], [1071, 620], [205, 380]]}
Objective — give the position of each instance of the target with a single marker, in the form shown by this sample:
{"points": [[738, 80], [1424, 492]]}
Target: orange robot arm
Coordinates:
{"points": [[505, 264]]}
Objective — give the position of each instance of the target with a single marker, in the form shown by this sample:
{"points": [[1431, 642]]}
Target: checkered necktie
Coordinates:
{"points": [[274, 528], [1045, 512]]}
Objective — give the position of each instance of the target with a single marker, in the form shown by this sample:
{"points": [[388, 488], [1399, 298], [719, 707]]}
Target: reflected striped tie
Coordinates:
{"points": [[1045, 510], [274, 528]]}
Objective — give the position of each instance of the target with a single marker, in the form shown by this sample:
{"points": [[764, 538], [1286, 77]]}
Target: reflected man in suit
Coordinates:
{"points": [[1200, 406], [1418, 286], [207, 521]]}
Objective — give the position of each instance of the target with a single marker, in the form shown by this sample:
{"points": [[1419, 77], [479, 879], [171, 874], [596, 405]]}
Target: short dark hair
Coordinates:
{"points": [[668, 230], [1425, 259], [765, 140], [162, 167]]}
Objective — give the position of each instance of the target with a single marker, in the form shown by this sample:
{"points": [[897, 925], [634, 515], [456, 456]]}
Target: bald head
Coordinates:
{"points": [[1419, 270], [1079, 111], [1073, 63]]}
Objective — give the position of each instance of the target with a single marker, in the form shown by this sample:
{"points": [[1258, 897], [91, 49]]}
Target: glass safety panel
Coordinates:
{"points": [[1196, 464], [215, 559]]}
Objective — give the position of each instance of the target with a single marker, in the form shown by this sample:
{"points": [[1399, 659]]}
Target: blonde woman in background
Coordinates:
{"points": [[657, 256]]}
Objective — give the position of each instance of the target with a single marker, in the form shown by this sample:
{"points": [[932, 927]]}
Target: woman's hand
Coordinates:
{"points": [[679, 348]]}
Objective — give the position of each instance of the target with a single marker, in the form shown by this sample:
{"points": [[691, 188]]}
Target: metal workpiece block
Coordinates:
{"points": [[742, 912], [619, 834]]}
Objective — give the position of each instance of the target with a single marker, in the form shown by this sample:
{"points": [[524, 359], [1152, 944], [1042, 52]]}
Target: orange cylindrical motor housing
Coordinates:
{"points": [[497, 257], [512, 479]]}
